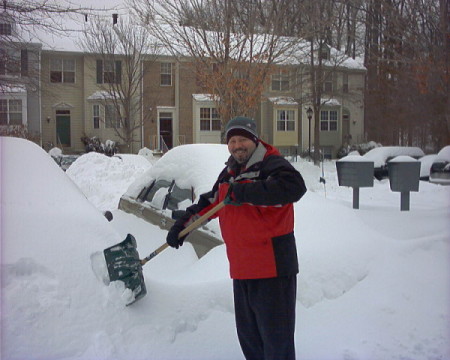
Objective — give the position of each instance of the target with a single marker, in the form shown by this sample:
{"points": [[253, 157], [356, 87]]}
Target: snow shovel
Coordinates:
{"points": [[123, 263]]}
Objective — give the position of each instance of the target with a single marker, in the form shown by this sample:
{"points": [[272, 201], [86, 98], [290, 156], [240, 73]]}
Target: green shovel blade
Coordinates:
{"points": [[123, 263]]}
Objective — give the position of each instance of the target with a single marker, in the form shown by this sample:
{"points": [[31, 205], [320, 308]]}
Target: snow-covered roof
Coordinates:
{"points": [[14, 89], [283, 100], [330, 102], [103, 95], [76, 24], [203, 97]]}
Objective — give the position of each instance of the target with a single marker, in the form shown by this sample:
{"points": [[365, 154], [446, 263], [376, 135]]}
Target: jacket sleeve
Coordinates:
{"points": [[278, 184]]}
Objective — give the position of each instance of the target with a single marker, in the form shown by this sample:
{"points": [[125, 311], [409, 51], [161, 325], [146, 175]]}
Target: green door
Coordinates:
{"points": [[63, 127]]}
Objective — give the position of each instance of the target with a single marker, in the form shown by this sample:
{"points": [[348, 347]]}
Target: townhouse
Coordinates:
{"points": [[181, 112], [69, 102]]}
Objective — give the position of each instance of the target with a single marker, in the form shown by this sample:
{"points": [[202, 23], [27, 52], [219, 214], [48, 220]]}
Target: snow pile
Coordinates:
{"points": [[444, 154], [112, 176], [373, 283], [192, 166], [381, 154]]}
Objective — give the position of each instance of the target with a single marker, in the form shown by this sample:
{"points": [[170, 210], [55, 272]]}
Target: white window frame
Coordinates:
{"points": [[61, 65], [213, 122], [285, 120], [166, 74], [282, 81], [327, 122], [8, 111], [96, 116]]}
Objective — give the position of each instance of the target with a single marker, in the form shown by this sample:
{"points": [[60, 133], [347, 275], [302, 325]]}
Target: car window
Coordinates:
{"points": [[155, 187], [178, 195]]}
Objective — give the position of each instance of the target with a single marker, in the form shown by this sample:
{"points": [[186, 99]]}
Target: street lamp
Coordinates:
{"points": [[309, 113]]}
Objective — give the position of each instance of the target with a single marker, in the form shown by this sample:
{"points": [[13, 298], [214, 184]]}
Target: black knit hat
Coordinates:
{"points": [[242, 126]]}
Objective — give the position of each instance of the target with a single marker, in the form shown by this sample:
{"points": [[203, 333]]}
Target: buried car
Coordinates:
{"points": [[440, 169], [381, 156], [175, 182]]}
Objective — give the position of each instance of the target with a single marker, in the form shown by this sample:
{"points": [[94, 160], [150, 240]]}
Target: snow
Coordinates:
{"points": [[425, 164], [373, 283], [353, 157], [402, 159], [283, 100], [444, 154], [109, 172], [380, 155]]}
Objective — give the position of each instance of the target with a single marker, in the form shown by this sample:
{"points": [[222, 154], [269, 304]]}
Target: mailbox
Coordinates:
{"points": [[355, 172], [404, 176]]}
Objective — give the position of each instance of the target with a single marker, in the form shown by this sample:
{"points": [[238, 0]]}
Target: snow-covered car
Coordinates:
{"points": [[175, 182], [440, 169], [381, 156]]}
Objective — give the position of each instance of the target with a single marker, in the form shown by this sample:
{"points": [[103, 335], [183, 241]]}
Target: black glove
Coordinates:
{"points": [[172, 237], [230, 198]]}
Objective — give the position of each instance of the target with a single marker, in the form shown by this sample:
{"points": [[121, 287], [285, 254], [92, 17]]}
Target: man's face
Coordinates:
{"points": [[241, 148]]}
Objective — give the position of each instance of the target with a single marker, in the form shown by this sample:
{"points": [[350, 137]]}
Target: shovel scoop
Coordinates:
{"points": [[123, 262]]}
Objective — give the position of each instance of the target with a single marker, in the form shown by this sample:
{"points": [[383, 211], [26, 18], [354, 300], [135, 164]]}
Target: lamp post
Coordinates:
{"points": [[309, 113]]}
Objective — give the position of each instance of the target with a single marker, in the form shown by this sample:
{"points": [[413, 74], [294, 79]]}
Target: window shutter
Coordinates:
{"points": [[99, 72], [118, 72], [24, 62]]}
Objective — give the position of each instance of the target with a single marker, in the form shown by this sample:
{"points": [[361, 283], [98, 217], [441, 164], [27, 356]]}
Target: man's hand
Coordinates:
{"points": [[230, 198], [173, 238]]}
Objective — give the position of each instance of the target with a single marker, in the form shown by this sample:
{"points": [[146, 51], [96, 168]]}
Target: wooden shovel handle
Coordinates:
{"points": [[196, 224]]}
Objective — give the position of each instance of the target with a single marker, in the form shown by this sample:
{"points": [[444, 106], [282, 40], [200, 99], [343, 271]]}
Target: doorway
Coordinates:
{"points": [[63, 127], [166, 130]]}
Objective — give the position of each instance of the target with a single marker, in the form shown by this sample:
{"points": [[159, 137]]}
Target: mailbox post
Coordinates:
{"points": [[356, 172], [404, 176]]}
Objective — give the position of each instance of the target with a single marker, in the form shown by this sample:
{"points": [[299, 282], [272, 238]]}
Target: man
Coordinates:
{"points": [[259, 187]]}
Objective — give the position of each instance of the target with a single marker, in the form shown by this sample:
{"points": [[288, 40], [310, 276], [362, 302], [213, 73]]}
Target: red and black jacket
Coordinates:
{"points": [[259, 234]]}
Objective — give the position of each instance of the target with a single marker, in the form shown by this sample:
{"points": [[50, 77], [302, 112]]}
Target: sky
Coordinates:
{"points": [[373, 283]]}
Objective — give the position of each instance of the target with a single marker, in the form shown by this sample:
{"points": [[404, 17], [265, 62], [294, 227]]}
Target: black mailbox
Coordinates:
{"points": [[354, 172], [404, 176]]}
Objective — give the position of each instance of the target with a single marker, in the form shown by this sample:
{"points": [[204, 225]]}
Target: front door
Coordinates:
{"points": [[165, 130], [63, 127]]}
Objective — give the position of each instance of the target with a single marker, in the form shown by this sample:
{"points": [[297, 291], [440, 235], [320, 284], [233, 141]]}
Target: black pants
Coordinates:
{"points": [[265, 317]]}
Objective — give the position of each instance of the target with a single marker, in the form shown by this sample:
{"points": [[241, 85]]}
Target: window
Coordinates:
{"points": [[325, 53], [280, 81], [328, 82], [62, 70], [109, 72], [345, 83], [96, 116], [10, 112], [10, 62], [327, 152], [112, 116], [166, 74], [328, 120], [285, 120], [5, 29], [209, 119]]}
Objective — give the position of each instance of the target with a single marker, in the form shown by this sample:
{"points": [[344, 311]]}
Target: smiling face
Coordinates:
{"points": [[241, 148]]}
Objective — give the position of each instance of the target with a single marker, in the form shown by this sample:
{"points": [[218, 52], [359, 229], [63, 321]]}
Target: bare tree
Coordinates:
{"points": [[233, 45], [407, 99], [120, 51]]}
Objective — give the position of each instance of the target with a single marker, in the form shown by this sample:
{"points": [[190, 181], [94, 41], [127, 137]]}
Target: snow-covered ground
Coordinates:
{"points": [[373, 283]]}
